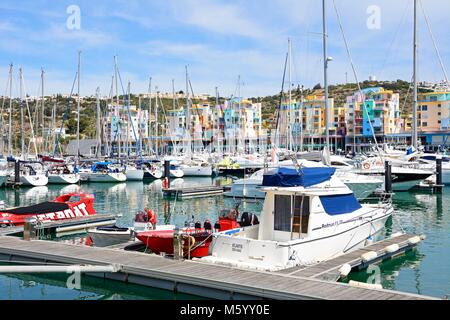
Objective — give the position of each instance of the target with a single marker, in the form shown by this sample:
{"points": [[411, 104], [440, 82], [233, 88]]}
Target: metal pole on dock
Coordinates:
{"points": [[167, 172], [60, 269], [439, 173], [17, 171], [388, 177]]}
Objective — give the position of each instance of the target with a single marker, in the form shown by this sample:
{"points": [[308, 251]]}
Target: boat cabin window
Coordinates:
{"points": [[291, 213], [283, 208]]}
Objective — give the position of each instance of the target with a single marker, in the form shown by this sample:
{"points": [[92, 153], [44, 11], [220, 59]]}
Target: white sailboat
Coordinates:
{"points": [[133, 173]]}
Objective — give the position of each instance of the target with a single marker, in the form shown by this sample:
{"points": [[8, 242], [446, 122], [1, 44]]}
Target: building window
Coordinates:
{"points": [[439, 113], [424, 108], [424, 124]]}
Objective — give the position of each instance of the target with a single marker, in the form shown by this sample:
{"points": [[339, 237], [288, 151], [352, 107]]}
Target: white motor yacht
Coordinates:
{"points": [[308, 216]]}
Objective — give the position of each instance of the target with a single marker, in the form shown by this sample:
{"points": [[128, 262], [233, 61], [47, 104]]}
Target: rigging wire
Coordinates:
{"points": [[434, 43], [357, 80]]}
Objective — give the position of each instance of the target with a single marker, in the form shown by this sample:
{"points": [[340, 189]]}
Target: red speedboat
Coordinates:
{"points": [[196, 240], [68, 206]]}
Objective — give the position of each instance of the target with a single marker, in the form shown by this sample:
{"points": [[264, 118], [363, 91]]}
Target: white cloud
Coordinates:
{"points": [[218, 17]]}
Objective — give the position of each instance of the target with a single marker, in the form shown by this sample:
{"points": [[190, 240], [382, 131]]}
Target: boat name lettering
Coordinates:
{"points": [[77, 211], [328, 225], [236, 247]]}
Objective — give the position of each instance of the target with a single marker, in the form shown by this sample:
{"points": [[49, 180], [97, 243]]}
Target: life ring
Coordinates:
{"points": [[378, 163], [366, 165], [151, 216]]}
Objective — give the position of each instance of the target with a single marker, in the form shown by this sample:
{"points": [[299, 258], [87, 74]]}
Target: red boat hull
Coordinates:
{"points": [[62, 208], [161, 241]]}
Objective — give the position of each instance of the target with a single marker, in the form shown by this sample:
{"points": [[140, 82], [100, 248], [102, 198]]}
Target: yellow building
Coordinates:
{"points": [[433, 111]]}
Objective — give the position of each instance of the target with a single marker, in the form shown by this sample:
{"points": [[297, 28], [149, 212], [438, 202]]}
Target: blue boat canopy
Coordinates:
{"points": [[97, 165], [304, 177]]}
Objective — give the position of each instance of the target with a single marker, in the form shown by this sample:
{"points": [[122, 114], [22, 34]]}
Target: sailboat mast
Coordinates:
{"points": [[140, 126], [78, 108], [414, 124], [301, 120], [290, 96], [325, 75], [22, 129], [156, 123], [42, 112], [188, 114], [119, 124], [217, 119], [10, 110], [128, 119], [149, 115], [99, 142]]}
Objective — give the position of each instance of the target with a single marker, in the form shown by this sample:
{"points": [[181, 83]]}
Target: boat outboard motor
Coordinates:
{"points": [[198, 225], [254, 219], [248, 219], [217, 226], [207, 225], [245, 220]]}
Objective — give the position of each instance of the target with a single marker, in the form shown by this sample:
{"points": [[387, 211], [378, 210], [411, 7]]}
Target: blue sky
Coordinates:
{"points": [[217, 39]]}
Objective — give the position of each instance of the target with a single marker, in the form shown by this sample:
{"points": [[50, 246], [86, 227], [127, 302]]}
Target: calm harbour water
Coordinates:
{"points": [[424, 271]]}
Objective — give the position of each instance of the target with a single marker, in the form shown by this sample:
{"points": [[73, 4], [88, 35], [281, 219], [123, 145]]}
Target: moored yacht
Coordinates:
{"points": [[308, 216], [133, 173], [61, 174], [104, 172], [362, 186]]}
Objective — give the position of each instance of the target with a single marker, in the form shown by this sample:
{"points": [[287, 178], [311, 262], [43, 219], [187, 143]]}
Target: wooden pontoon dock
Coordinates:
{"points": [[210, 280]]}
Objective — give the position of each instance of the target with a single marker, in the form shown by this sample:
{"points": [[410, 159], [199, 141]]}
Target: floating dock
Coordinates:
{"points": [[214, 281], [65, 227], [186, 193], [331, 270]]}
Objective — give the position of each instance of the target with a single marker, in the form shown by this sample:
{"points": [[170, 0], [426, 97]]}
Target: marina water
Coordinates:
{"points": [[423, 271]]}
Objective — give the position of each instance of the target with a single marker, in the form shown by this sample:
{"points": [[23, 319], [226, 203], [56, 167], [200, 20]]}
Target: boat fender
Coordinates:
{"points": [[392, 248], [365, 285], [368, 256], [414, 240], [345, 270], [397, 234]]}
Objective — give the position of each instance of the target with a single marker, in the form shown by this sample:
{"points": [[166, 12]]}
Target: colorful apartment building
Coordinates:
{"points": [[433, 112], [374, 113], [130, 126], [237, 121], [307, 119]]}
